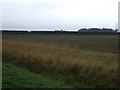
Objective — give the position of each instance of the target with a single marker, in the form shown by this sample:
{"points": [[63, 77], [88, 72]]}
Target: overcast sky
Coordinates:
{"points": [[59, 14]]}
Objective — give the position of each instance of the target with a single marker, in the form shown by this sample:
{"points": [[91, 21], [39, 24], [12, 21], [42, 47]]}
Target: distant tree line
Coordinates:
{"points": [[97, 31], [83, 31]]}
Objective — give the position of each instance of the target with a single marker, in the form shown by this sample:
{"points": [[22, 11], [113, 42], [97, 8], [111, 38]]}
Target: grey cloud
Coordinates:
{"points": [[42, 15]]}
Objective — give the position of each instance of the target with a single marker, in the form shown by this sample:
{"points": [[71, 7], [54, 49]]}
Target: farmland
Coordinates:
{"points": [[89, 60], [99, 43]]}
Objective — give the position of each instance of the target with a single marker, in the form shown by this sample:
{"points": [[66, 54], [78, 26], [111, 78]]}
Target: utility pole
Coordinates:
{"points": [[116, 26]]}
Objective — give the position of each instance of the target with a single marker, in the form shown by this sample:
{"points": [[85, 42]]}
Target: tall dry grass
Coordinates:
{"points": [[87, 67]]}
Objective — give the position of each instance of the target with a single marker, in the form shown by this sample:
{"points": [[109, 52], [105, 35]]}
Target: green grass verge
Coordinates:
{"points": [[17, 77]]}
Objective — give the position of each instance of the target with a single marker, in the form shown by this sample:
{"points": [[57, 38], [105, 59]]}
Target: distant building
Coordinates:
{"points": [[29, 30]]}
